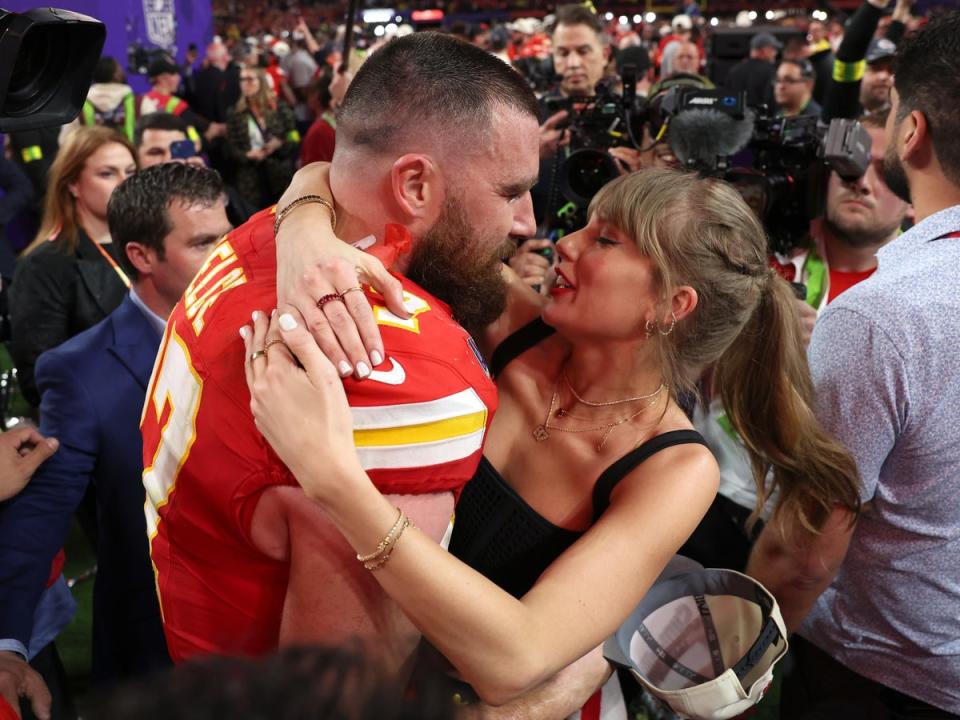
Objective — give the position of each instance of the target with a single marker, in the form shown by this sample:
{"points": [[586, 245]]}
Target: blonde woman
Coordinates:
{"points": [[592, 475], [262, 140], [69, 278]]}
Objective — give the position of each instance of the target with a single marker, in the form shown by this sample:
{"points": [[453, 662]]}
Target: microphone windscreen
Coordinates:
{"points": [[704, 135]]}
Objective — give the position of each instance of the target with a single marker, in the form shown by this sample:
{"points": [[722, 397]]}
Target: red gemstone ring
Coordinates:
{"points": [[329, 298]]}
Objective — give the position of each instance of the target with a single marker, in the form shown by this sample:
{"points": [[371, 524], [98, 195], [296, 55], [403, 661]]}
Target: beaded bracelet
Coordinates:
{"points": [[387, 540], [303, 200]]}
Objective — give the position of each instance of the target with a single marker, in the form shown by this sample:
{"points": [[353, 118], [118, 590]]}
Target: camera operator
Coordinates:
{"points": [[860, 217]]}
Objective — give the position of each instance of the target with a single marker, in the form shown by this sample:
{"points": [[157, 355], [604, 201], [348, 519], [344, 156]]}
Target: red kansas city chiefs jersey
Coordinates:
{"points": [[419, 425]]}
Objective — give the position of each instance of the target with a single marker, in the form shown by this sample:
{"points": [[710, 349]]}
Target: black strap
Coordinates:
{"points": [[622, 467], [517, 344]]}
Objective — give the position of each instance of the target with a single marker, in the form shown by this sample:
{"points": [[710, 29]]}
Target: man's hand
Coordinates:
{"points": [[808, 318], [532, 267], [553, 137], [18, 679], [629, 159], [21, 453]]}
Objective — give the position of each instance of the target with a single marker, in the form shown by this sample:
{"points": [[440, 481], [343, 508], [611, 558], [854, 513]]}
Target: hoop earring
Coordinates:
{"points": [[669, 329], [649, 328]]}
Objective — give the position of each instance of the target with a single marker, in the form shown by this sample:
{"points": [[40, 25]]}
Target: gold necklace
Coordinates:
{"points": [[583, 401], [542, 431]]}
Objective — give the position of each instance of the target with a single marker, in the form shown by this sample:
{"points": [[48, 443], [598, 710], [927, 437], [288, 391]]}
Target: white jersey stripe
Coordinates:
{"points": [[465, 402], [389, 457]]}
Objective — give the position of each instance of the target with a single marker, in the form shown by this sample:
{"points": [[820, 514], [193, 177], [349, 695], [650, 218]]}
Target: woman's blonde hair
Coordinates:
{"points": [[263, 99], [745, 329], [60, 221]]}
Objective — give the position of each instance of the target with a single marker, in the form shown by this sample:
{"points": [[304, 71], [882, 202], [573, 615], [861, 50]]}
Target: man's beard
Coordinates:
{"points": [[859, 237], [893, 173], [461, 267]]}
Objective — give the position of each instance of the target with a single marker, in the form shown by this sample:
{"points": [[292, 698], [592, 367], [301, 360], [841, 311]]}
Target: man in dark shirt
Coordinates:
{"points": [[755, 74]]}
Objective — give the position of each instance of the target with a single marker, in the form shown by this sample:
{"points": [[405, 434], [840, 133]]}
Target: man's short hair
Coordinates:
{"points": [[106, 70], [138, 210], [927, 79], [575, 14], [424, 82], [806, 67], [157, 121]]}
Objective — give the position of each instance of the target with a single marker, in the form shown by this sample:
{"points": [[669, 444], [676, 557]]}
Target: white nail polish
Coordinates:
{"points": [[255, 315], [344, 368], [376, 357], [243, 332], [287, 322], [362, 370], [409, 306]]}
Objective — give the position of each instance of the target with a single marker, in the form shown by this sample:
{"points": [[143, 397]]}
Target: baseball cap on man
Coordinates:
{"points": [[880, 49], [161, 66], [764, 40], [702, 641]]}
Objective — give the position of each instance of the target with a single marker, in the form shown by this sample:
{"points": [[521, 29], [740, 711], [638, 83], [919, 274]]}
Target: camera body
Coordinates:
{"points": [[780, 165], [596, 123]]}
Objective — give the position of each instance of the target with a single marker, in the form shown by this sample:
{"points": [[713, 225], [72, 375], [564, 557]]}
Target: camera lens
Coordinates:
{"points": [[584, 173]]}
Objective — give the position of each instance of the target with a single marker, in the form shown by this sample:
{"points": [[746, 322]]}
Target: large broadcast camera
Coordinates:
{"points": [[780, 165], [47, 59], [596, 124]]}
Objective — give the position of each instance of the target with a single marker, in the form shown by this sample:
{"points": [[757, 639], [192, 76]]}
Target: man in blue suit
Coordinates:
{"points": [[165, 221]]}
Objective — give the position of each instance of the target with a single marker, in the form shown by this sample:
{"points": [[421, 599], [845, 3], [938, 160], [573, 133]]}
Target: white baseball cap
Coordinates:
{"points": [[702, 641]]}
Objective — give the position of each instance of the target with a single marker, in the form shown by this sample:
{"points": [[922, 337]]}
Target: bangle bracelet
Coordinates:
{"points": [[303, 200], [387, 540], [379, 562]]}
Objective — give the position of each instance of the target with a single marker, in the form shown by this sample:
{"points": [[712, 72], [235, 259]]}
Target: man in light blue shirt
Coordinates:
{"points": [[883, 638]]}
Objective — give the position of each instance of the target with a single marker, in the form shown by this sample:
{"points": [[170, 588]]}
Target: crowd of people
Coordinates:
{"points": [[334, 359]]}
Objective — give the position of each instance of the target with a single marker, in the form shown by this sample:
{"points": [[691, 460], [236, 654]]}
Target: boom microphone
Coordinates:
{"points": [[706, 138]]}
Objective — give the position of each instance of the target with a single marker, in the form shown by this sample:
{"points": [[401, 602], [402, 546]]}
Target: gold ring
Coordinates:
{"points": [[350, 290], [257, 354], [272, 341]]}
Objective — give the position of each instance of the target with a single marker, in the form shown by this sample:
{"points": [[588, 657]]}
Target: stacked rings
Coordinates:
{"points": [[272, 341], [350, 290], [330, 297]]}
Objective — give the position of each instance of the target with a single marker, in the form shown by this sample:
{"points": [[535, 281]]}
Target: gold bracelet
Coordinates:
{"points": [[378, 563], [387, 540], [303, 200]]}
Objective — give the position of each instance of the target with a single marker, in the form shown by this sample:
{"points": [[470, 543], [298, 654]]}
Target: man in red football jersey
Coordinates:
{"points": [[244, 562]]}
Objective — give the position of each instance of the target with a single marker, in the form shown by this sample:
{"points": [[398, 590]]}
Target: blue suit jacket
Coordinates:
{"points": [[93, 387]]}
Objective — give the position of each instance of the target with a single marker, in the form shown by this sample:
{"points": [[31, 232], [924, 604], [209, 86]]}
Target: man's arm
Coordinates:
{"points": [[34, 525], [331, 598], [798, 567]]}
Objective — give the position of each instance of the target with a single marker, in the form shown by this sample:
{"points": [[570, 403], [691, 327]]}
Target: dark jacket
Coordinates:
{"points": [[263, 182], [93, 388], [755, 76], [54, 296]]}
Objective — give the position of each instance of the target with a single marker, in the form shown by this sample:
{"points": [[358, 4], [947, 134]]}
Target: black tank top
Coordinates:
{"points": [[497, 533]]}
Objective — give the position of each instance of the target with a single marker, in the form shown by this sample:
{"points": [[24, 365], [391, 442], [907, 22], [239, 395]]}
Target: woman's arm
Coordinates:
{"points": [[502, 646]]}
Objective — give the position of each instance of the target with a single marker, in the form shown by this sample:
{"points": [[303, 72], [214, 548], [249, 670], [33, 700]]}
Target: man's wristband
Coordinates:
{"points": [[303, 200]]}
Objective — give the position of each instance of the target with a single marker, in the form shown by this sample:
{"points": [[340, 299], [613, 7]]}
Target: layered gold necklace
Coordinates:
{"points": [[542, 431]]}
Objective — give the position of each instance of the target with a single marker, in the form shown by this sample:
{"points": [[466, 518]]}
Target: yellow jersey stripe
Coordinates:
{"points": [[422, 433]]}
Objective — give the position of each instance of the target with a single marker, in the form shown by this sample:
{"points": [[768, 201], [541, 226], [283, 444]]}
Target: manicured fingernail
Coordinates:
{"points": [[273, 313], [243, 332], [344, 368], [362, 370], [376, 357], [53, 443], [287, 322], [255, 315], [409, 306]]}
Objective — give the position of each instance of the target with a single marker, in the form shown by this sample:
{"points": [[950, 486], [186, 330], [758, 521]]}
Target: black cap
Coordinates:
{"points": [[161, 66], [880, 49], [764, 40]]}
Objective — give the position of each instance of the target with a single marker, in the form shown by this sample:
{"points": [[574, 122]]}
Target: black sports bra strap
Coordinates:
{"points": [[622, 467], [518, 343]]}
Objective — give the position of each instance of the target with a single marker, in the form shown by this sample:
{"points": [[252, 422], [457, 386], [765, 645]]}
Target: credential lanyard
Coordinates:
{"points": [[113, 263]]}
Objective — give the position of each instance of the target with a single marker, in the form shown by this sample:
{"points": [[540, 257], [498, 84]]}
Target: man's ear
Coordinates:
{"points": [[416, 184], [143, 258], [916, 139]]}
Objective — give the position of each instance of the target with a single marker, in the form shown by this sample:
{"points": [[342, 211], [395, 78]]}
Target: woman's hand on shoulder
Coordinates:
{"points": [[299, 404], [313, 264]]}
